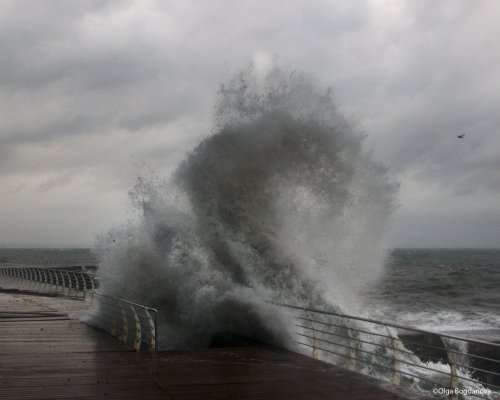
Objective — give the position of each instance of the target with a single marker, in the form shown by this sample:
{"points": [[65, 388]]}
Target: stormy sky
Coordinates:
{"points": [[91, 90]]}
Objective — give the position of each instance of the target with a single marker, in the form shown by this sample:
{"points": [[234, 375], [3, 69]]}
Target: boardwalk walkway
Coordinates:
{"points": [[45, 353]]}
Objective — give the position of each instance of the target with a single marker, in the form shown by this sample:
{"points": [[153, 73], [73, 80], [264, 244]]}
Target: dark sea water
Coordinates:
{"points": [[57, 257], [434, 289], [440, 289]]}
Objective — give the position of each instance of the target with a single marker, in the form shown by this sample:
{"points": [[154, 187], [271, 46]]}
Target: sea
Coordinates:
{"points": [[441, 290]]}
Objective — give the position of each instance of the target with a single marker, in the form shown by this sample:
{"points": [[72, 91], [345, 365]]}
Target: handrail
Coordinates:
{"points": [[410, 341], [369, 346], [51, 280], [114, 315], [105, 310], [126, 301], [418, 330]]}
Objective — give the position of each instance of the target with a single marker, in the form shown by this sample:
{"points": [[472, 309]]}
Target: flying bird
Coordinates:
{"points": [[461, 136]]}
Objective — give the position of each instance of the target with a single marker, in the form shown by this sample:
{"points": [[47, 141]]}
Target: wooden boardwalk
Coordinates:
{"points": [[47, 354]]}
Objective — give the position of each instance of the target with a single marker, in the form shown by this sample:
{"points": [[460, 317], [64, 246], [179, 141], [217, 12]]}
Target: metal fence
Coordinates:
{"points": [[51, 280], [131, 323], [444, 365]]}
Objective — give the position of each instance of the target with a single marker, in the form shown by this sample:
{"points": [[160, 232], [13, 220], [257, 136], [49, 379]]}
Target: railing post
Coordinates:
{"points": [[395, 345], [25, 278], [60, 282], [51, 281], [42, 271], [37, 277], [33, 278], [351, 365], [124, 337], [64, 275], [152, 327], [138, 332], [70, 286], [453, 370], [314, 348], [77, 283]]}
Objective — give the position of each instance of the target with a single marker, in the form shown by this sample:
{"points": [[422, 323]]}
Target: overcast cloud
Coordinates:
{"points": [[89, 89]]}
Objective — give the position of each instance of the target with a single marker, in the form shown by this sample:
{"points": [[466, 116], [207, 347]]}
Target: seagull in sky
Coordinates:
{"points": [[461, 136]]}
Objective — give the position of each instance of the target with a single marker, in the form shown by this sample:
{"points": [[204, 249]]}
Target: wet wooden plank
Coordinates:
{"points": [[62, 358]]}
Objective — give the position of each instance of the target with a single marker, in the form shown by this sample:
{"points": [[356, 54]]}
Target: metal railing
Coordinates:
{"points": [[51, 280], [444, 365], [131, 323]]}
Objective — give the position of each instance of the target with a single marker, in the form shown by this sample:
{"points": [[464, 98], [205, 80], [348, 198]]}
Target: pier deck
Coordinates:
{"points": [[46, 353]]}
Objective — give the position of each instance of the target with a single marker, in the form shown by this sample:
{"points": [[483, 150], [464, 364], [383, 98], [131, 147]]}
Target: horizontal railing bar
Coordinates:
{"points": [[125, 301], [388, 324], [472, 355], [116, 309], [53, 276], [342, 326], [349, 337], [115, 304], [392, 348], [377, 365], [393, 369], [367, 342], [377, 355]]}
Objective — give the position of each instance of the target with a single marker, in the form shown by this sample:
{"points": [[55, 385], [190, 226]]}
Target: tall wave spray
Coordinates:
{"points": [[280, 203]]}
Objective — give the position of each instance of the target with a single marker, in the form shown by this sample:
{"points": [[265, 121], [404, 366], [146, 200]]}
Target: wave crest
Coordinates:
{"points": [[280, 203]]}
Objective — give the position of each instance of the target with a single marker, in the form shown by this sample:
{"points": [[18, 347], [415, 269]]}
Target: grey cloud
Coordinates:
{"points": [[84, 85], [444, 84], [55, 181]]}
